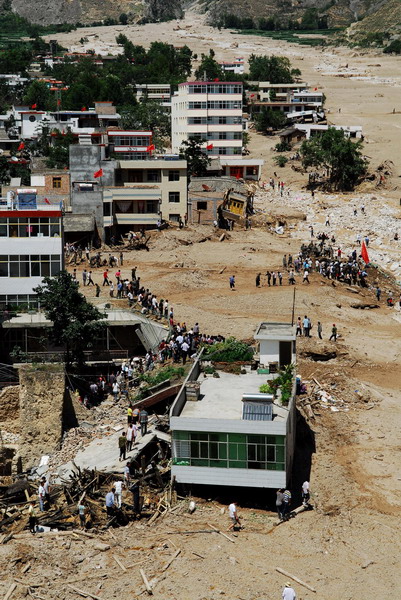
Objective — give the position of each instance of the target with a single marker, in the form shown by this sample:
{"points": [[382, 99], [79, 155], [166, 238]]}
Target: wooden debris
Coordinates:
{"points": [[221, 533], [120, 564], [146, 582], [84, 593], [10, 591], [26, 568], [197, 554], [168, 563], [287, 574]]}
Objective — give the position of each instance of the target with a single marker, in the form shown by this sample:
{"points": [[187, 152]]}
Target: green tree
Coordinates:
{"points": [[191, 150], [123, 18], [209, 69], [148, 115], [393, 48], [38, 93], [280, 160], [59, 153], [276, 69], [269, 119], [340, 156], [4, 170], [76, 322]]}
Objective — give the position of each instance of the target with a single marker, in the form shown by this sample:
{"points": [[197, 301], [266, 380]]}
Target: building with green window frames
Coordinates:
{"points": [[226, 432]]}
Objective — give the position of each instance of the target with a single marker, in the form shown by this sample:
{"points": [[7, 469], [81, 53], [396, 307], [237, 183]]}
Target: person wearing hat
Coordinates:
{"points": [[289, 592]]}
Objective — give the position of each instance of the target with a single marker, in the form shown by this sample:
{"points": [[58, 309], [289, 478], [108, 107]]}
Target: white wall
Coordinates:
{"points": [[231, 477]]}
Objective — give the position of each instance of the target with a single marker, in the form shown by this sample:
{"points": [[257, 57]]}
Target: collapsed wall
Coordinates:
{"points": [[42, 391]]}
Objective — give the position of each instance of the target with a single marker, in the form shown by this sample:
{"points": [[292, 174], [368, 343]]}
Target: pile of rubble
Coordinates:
{"points": [[153, 487]]}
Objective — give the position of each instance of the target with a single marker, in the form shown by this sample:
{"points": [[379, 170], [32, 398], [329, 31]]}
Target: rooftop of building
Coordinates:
{"points": [[275, 331], [221, 398]]}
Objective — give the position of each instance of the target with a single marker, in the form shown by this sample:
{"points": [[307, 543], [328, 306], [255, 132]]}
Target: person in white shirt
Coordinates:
{"points": [[127, 475], [118, 486], [289, 592], [42, 496], [305, 493], [233, 514], [130, 437]]}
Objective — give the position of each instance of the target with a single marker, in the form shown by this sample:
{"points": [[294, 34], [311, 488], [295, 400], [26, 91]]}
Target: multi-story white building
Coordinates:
{"points": [[154, 92], [210, 112], [31, 247], [233, 66]]}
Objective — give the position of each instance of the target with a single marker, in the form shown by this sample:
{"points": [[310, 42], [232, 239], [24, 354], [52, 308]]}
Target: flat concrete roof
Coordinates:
{"points": [[221, 398], [113, 317], [275, 331]]}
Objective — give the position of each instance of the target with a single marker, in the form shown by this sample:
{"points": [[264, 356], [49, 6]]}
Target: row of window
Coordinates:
{"points": [[226, 151], [10, 301], [129, 140], [241, 451], [220, 120], [217, 135], [220, 104], [25, 265], [30, 227], [147, 176], [215, 88]]}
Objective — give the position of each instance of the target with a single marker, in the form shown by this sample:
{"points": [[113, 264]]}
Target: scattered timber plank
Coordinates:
{"points": [[221, 533], [120, 564], [222, 270], [84, 593], [197, 554], [168, 563], [189, 532], [26, 568], [222, 237], [146, 582], [78, 532], [287, 574], [10, 591]]}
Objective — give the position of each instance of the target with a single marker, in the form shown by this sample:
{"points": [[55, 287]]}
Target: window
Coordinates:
{"points": [[32, 118], [173, 175], [174, 217], [107, 209], [57, 183], [201, 205], [154, 175], [232, 450], [174, 196]]}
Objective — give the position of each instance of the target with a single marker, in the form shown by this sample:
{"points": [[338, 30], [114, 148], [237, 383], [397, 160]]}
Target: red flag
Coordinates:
{"points": [[83, 108], [364, 253], [98, 173], [315, 89], [150, 148], [58, 102], [238, 176], [47, 201], [34, 106], [252, 95], [209, 147], [21, 146], [217, 79]]}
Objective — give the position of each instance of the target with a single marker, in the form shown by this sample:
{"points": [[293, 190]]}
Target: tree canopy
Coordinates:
{"points": [[76, 322], [191, 150], [340, 156], [268, 118], [276, 69], [148, 115]]}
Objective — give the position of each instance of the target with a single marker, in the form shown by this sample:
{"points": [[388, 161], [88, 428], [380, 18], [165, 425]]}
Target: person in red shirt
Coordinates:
{"points": [[106, 277]]}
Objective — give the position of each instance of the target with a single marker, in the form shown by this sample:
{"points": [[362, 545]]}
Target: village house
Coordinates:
{"points": [[226, 432]]}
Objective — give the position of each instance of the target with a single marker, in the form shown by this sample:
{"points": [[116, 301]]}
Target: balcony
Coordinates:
{"points": [[6, 206]]}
